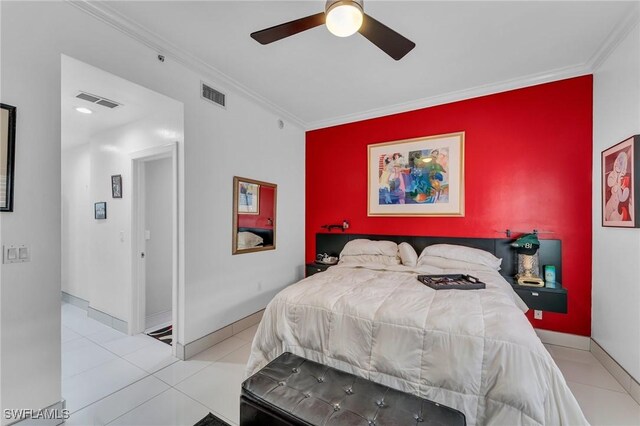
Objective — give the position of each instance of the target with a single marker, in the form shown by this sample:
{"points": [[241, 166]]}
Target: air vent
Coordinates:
{"points": [[212, 95], [87, 97], [108, 104], [94, 99]]}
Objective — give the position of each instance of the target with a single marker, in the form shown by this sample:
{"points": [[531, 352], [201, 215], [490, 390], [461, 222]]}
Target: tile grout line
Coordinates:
{"points": [[153, 374], [202, 403], [604, 389], [624, 391], [147, 374], [122, 357], [112, 393], [209, 363], [598, 387], [139, 405]]}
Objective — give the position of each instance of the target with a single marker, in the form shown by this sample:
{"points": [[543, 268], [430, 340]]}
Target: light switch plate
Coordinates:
{"points": [[16, 253], [12, 254], [23, 254]]}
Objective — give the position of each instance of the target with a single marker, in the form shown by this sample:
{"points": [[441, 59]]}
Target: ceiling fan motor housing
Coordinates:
{"points": [[335, 3]]}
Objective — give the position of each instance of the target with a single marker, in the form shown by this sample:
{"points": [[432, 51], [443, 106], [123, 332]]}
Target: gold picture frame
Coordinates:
{"points": [[254, 231], [417, 177]]}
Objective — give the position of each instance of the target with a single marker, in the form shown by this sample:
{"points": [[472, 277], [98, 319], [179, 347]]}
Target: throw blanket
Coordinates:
{"points": [[472, 350]]}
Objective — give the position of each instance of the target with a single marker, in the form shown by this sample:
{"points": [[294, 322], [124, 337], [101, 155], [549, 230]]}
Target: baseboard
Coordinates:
{"points": [[75, 301], [584, 343], [106, 319], [109, 320], [52, 415], [625, 379], [204, 343], [564, 339]]}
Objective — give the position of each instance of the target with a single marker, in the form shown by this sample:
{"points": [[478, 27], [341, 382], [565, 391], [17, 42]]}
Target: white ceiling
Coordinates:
{"points": [[321, 79], [77, 128]]}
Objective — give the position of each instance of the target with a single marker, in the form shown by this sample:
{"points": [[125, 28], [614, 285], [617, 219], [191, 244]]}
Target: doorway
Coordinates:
{"points": [[111, 130], [155, 243]]}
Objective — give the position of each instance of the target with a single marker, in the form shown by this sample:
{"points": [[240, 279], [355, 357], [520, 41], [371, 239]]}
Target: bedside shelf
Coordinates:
{"points": [[314, 268], [549, 299]]}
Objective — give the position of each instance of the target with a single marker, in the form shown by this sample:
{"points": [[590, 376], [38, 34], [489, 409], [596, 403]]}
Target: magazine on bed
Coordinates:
{"points": [[452, 282]]}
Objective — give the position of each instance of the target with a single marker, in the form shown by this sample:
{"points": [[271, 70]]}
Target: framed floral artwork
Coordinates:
{"points": [[417, 177]]}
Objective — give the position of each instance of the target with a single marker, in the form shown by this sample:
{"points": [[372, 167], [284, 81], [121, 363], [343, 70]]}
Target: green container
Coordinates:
{"points": [[549, 274]]}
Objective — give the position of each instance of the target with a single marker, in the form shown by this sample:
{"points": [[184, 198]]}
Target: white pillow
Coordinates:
{"points": [[248, 240], [465, 254], [442, 263], [362, 246], [408, 254], [362, 259]]}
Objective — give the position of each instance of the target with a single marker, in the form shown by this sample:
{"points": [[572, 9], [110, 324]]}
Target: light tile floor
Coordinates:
{"points": [[111, 378]]}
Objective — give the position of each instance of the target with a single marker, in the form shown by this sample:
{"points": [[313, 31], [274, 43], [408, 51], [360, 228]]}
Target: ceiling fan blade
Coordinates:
{"points": [[392, 43], [269, 35]]}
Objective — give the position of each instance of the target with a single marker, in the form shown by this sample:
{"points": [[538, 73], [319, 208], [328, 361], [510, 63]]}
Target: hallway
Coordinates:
{"points": [[112, 378]]}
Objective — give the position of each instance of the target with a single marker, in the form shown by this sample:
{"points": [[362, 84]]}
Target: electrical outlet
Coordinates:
{"points": [[537, 314]]}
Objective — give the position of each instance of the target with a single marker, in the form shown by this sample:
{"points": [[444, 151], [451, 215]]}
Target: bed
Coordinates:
{"points": [[474, 351], [254, 237]]}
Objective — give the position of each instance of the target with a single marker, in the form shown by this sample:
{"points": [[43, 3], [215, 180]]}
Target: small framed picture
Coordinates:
{"points": [[100, 210], [116, 186]]}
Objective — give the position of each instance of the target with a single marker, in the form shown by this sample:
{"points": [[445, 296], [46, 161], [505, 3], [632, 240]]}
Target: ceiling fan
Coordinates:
{"points": [[343, 18]]}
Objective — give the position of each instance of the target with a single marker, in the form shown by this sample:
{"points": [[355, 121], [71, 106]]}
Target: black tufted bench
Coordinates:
{"points": [[292, 390]]}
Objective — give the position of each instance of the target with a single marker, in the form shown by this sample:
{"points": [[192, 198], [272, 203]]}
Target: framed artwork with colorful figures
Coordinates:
{"points": [[620, 184], [417, 177]]}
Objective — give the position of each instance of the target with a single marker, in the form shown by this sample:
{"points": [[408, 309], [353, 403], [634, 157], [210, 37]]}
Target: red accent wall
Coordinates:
{"points": [[528, 155], [265, 212]]}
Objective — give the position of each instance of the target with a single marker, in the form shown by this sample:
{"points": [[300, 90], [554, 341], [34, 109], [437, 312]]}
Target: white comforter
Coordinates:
{"points": [[471, 350]]}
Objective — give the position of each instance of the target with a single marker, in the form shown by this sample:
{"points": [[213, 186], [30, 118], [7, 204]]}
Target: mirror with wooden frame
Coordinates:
{"points": [[7, 155], [254, 215]]}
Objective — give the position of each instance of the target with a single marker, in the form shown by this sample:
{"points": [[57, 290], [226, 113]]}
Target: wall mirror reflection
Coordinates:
{"points": [[254, 215]]}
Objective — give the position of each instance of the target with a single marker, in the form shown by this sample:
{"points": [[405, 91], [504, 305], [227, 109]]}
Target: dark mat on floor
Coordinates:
{"points": [[211, 420], [163, 334]]}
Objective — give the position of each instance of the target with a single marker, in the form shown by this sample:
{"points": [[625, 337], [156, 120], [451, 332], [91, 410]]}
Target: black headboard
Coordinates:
{"points": [[550, 250]]}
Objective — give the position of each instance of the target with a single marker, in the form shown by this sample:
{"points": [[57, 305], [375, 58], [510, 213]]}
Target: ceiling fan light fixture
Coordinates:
{"points": [[344, 17]]}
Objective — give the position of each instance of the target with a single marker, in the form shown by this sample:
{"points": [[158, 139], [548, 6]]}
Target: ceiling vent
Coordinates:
{"points": [[212, 95], [97, 100]]}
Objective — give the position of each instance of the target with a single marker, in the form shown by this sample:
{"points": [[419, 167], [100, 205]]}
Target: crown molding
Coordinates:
{"points": [[460, 95], [155, 42], [162, 46], [617, 35]]}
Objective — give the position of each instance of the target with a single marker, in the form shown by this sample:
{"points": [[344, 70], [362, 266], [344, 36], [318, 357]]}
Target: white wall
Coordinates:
{"points": [[616, 252], [157, 199], [77, 218], [243, 139]]}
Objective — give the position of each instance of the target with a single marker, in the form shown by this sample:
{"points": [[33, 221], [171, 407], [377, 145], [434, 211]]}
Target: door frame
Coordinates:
{"points": [[138, 274]]}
